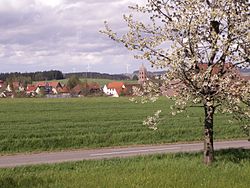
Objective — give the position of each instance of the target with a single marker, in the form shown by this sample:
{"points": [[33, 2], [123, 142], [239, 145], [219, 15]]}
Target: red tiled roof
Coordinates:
{"points": [[41, 84], [93, 85], [115, 85], [63, 90], [77, 89], [52, 84], [55, 84], [217, 68], [30, 88], [227, 66], [118, 86]]}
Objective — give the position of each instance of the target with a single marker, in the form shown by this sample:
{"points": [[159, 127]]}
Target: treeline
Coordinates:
{"points": [[32, 76], [98, 75], [57, 75]]}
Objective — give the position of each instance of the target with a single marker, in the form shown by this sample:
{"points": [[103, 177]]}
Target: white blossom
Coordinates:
{"points": [[152, 121], [201, 45]]}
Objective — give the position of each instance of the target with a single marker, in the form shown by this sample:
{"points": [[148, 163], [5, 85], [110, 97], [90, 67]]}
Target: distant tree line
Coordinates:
{"points": [[56, 75], [32, 76], [97, 75]]}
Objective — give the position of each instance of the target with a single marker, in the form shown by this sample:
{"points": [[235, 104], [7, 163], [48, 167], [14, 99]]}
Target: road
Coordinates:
{"points": [[76, 155]]}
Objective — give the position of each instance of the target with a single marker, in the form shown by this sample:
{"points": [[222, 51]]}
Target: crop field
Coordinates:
{"points": [[33, 125], [231, 170]]}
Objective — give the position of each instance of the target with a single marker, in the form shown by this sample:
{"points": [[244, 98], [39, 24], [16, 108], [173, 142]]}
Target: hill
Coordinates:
{"points": [[97, 75]]}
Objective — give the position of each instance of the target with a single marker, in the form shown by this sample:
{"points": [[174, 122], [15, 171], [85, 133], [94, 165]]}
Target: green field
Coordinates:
{"points": [[231, 170], [31, 125], [101, 82]]}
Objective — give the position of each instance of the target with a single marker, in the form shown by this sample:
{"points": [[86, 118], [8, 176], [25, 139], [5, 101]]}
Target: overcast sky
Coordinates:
{"points": [[37, 35]]}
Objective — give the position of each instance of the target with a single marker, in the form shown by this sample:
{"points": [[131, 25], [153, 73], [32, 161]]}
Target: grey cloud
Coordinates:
{"points": [[62, 37]]}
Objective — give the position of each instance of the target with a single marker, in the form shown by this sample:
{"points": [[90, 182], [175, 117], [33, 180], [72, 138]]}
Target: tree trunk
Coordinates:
{"points": [[208, 132]]}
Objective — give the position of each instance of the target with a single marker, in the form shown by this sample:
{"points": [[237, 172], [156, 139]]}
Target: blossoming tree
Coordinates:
{"points": [[202, 44]]}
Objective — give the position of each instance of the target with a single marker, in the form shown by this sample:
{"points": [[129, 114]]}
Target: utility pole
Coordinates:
{"points": [[88, 70]]}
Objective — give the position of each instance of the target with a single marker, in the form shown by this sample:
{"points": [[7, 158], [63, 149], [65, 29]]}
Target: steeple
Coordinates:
{"points": [[142, 74]]}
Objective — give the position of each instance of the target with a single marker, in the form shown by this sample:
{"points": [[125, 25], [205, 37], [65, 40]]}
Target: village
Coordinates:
{"points": [[57, 89]]}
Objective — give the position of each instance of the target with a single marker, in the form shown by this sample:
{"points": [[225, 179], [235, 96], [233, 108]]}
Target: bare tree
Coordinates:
{"points": [[202, 44]]}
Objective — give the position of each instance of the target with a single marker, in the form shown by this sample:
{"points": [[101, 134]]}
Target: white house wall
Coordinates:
{"points": [[108, 91]]}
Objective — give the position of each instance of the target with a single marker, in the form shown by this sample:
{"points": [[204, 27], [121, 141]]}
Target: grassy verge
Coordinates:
{"points": [[231, 170], [28, 125]]}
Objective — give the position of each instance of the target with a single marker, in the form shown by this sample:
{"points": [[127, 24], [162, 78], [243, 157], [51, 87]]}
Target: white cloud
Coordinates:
{"points": [[50, 3], [61, 34]]}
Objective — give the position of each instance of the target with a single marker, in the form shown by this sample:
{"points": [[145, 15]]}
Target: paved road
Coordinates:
{"points": [[63, 156]]}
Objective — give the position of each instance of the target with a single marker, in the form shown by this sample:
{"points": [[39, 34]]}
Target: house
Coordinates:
{"points": [[15, 86], [18, 86], [115, 89], [2, 89], [227, 67], [31, 90], [49, 87], [76, 91], [55, 87], [63, 90], [129, 88], [172, 88], [1, 84], [43, 88], [85, 89], [110, 92], [3, 94], [94, 88], [6, 91], [8, 88]]}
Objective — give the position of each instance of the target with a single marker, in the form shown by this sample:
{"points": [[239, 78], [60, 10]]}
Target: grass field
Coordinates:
{"points": [[231, 170], [101, 82], [30, 125]]}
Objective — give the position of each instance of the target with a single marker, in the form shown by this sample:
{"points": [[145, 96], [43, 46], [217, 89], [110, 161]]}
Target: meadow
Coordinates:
{"points": [[34, 125], [231, 170], [101, 82]]}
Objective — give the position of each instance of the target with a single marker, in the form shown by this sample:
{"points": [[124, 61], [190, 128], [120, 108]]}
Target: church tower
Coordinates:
{"points": [[142, 74]]}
